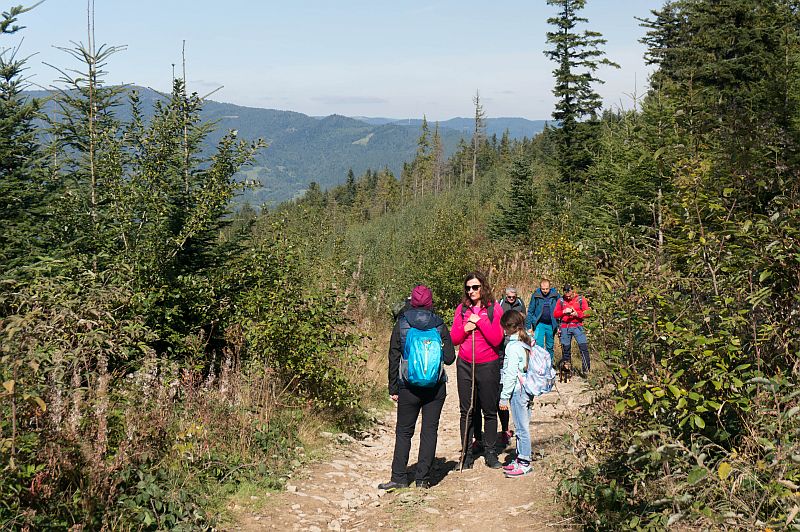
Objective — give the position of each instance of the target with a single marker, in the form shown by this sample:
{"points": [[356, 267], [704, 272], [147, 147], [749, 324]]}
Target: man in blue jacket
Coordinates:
{"points": [[540, 321]]}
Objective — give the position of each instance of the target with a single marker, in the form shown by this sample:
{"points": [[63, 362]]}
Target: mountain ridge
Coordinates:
{"points": [[302, 148]]}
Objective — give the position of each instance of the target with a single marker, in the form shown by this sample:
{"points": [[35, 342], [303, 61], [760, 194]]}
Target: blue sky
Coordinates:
{"points": [[352, 57]]}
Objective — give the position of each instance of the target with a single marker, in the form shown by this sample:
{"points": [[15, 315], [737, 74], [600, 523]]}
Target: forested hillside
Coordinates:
{"points": [[305, 149], [518, 128], [302, 149], [159, 353]]}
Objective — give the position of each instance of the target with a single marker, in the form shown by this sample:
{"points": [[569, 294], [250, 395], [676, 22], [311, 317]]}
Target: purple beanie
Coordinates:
{"points": [[421, 296]]}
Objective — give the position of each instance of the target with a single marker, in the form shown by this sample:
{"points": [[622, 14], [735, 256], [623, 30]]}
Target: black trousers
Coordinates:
{"points": [[477, 415], [410, 401], [477, 420], [486, 397]]}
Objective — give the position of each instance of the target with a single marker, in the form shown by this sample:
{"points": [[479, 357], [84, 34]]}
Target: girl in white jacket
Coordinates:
{"points": [[512, 394]]}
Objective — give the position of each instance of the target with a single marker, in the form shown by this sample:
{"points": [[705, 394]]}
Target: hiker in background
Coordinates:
{"points": [[541, 321], [400, 307], [410, 398], [511, 301], [476, 328], [513, 395], [570, 310]]}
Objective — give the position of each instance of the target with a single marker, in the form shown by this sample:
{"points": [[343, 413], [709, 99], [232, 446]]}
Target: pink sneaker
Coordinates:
{"points": [[519, 470], [510, 466]]}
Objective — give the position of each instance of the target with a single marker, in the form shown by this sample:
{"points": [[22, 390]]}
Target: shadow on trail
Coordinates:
{"points": [[440, 468]]}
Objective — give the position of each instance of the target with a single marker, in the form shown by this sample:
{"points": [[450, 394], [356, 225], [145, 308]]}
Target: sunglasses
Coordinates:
{"points": [[473, 287]]}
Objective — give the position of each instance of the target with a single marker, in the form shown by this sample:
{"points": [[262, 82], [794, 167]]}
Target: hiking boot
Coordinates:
{"points": [[520, 470], [505, 437], [423, 484], [492, 461], [467, 462], [392, 485]]}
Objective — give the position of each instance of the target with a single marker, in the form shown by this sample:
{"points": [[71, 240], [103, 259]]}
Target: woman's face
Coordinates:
{"points": [[473, 287]]}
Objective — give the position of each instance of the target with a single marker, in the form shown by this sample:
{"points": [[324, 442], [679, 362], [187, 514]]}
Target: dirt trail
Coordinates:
{"points": [[342, 494]]}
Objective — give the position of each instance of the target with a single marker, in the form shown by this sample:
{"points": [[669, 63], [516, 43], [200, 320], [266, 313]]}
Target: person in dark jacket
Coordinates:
{"points": [[399, 308], [413, 399], [511, 301], [541, 320]]}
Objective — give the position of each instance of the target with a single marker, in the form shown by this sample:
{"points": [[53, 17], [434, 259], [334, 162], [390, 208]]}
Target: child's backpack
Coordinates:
{"points": [[539, 375], [421, 364]]}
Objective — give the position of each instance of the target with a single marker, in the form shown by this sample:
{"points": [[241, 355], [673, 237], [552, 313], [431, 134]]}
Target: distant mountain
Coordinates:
{"points": [[302, 149], [517, 127], [378, 121]]}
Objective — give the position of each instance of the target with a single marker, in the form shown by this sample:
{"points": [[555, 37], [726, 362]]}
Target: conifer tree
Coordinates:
{"points": [[515, 216], [578, 55], [438, 159], [88, 137], [313, 196], [478, 133], [21, 185], [423, 162], [733, 70], [386, 192], [505, 146], [349, 194]]}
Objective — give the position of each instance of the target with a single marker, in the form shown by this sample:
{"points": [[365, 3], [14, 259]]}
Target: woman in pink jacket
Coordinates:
{"points": [[476, 329]]}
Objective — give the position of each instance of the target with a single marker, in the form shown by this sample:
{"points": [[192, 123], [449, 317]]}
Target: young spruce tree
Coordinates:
{"points": [[21, 184]]}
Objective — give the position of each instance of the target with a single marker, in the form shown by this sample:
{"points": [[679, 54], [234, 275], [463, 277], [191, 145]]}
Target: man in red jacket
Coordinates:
{"points": [[570, 310]]}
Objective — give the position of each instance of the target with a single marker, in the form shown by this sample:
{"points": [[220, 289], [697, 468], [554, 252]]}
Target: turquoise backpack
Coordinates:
{"points": [[422, 358]]}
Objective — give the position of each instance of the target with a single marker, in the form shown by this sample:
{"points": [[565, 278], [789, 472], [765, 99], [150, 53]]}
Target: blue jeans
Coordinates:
{"points": [[521, 414], [543, 335], [567, 333]]}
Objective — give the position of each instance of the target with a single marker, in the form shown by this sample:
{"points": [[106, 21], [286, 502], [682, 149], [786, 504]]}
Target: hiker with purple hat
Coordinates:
{"points": [[418, 349]]}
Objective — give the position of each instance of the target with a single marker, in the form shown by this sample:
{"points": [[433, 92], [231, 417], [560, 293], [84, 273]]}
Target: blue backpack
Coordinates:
{"points": [[421, 364]]}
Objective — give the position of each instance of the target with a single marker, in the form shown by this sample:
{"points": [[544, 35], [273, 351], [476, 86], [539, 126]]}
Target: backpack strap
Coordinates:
{"points": [[405, 326], [490, 314], [489, 311]]}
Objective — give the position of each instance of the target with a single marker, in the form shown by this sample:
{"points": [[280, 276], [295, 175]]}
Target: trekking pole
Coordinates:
{"points": [[471, 406]]}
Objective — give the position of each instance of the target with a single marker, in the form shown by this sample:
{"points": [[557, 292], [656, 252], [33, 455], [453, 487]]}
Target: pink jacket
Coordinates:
{"points": [[488, 335]]}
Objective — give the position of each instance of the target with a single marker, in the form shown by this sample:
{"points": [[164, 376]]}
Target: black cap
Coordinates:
{"points": [[567, 288]]}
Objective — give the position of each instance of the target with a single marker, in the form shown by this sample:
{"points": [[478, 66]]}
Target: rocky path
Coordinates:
{"points": [[341, 493]]}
